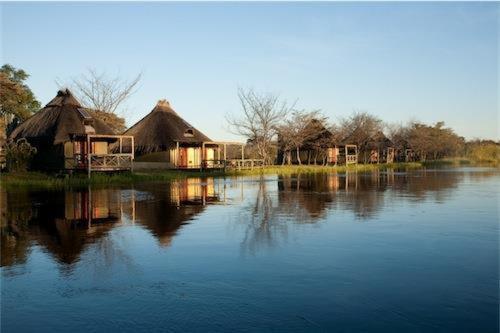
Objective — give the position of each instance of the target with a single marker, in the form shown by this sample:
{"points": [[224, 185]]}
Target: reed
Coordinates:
{"points": [[47, 181]]}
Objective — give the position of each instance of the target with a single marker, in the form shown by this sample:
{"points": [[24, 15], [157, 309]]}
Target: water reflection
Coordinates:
{"points": [[297, 253], [170, 206], [64, 223], [61, 222], [310, 197]]}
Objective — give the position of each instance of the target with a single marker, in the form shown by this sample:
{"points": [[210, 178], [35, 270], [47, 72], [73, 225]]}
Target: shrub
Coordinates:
{"points": [[19, 155]]}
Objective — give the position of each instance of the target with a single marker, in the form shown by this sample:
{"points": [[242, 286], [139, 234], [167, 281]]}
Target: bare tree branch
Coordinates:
{"points": [[98, 91], [262, 115]]}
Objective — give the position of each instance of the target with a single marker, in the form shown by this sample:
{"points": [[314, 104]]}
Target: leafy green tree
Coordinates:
{"points": [[17, 101]]}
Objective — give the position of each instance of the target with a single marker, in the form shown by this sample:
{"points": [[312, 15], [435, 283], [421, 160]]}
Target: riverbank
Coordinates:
{"points": [[47, 181], [461, 161]]}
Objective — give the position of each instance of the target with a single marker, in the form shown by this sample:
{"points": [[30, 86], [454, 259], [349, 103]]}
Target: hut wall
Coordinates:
{"points": [[160, 156], [48, 157], [99, 148]]}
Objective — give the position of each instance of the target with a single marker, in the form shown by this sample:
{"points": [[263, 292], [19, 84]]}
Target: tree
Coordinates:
{"points": [[104, 94], [322, 140], [433, 142], [359, 129], [303, 127], [116, 123], [262, 115], [17, 101], [19, 155]]}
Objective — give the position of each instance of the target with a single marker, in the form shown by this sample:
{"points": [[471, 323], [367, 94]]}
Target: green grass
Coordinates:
{"points": [[46, 181], [485, 153], [461, 161]]}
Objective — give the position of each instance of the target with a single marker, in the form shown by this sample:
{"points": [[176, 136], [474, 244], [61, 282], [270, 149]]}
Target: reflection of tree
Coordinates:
{"points": [[309, 197], [263, 224], [306, 197], [368, 195], [420, 185], [14, 240]]}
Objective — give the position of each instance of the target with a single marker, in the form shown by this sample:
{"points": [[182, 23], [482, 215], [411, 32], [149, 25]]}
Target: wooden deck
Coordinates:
{"points": [[110, 162]]}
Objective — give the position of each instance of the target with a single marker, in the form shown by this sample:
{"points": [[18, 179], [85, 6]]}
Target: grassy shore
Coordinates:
{"points": [[462, 161], [47, 181]]}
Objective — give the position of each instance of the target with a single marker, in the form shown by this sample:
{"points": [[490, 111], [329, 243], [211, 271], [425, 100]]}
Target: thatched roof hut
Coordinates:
{"points": [[68, 137], [161, 129], [60, 118]]}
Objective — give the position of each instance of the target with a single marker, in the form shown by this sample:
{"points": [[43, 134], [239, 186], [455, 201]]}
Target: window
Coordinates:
{"points": [[189, 132]]}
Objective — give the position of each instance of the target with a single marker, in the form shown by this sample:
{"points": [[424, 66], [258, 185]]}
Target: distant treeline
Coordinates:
{"points": [[267, 122], [270, 124]]}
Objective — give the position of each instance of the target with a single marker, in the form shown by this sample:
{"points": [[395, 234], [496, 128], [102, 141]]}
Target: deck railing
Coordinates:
{"points": [[110, 161], [351, 159], [245, 163]]}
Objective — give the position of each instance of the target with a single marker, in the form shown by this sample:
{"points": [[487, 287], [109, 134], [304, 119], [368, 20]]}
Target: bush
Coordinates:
{"points": [[484, 152], [19, 155]]}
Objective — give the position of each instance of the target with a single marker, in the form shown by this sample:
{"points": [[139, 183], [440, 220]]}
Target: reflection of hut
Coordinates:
{"points": [[68, 137], [194, 191], [63, 224], [92, 206], [164, 140], [162, 216], [86, 216]]}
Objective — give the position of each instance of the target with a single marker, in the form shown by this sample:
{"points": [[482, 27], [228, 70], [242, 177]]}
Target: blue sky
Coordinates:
{"points": [[399, 61]]}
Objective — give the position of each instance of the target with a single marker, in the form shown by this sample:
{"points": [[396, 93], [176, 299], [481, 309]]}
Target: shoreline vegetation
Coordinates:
{"points": [[48, 181]]}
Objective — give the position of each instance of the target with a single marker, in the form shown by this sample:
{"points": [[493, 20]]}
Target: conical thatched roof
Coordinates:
{"points": [[161, 128], [61, 117]]}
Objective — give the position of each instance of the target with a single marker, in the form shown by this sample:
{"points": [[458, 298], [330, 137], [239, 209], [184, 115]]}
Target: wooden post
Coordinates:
{"points": [[89, 157], [202, 154], [176, 154], [225, 157], [133, 155]]}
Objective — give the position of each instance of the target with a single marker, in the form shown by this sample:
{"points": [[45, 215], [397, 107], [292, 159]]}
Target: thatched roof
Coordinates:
{"points": [[60, 118], [379, 140], [161, 128]]}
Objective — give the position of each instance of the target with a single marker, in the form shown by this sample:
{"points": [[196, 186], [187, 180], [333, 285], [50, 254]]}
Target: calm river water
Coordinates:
{"points": [[380, 252]]}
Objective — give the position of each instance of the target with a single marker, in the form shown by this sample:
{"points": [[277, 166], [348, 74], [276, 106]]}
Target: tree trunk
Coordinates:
{"points": [[298, 156]]}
